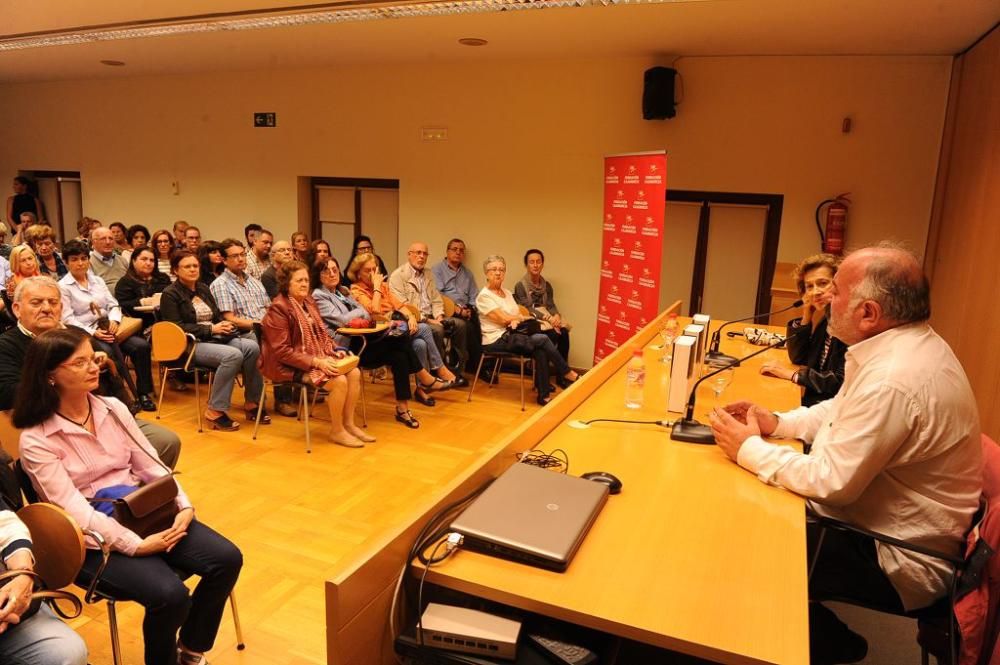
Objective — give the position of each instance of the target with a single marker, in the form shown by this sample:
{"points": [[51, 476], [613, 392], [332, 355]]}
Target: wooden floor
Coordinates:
{"points": [[296, 517]]}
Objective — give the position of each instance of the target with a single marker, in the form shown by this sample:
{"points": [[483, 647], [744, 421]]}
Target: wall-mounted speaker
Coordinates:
{"points": [[658, 93]]}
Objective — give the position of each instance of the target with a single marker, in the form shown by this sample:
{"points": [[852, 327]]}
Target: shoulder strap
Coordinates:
{"points": [[118, 420]]}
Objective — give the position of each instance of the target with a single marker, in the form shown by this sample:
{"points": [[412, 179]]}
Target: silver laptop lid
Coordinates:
{"points": [[533, 510]]}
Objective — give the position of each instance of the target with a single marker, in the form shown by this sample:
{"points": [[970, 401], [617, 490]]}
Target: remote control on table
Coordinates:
{"points": [[562, 652]]}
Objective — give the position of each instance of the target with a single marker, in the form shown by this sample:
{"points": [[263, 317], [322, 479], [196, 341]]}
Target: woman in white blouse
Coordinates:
{"points": [[499, 316], [89, 305]]}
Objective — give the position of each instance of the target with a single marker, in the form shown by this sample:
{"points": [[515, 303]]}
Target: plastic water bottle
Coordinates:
{"points": [[635, 380]]}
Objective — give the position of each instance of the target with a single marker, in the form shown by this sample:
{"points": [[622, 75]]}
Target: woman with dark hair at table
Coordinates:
{"points": [[296, 347], [162, 244], [362, 245], [338, 308], [141, 285], [189, 303], [137, 236], [75, 444]]}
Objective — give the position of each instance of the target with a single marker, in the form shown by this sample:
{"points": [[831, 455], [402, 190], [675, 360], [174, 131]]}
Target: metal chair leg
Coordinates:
{"points": [[305, 411], [116, 647], [260, 410], [163, 389], [521, 363], [364, 408], [197, 397], [475, 377], [240, 644], [496, 368]]}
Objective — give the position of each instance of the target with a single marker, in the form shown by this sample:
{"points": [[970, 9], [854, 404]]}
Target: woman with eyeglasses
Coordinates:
{"points": [[189, 303], [362, 245], [75, 444], [162, 244], [41, 239], [338, 308]]}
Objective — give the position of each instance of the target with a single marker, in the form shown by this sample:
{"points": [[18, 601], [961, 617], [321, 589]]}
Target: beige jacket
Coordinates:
{"points": [[404, 285]]}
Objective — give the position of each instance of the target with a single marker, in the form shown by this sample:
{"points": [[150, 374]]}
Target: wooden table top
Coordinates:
{"points": [[695, 555]]}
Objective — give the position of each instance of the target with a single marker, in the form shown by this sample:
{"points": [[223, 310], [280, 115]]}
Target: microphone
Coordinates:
{"points": [[714, 357], [690, 430]]}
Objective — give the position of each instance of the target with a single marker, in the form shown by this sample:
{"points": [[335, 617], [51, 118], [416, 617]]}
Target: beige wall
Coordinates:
{"points": [[522, 165]]}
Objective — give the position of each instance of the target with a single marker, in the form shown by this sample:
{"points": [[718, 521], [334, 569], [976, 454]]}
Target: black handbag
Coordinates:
{"points": [[529, 327]]}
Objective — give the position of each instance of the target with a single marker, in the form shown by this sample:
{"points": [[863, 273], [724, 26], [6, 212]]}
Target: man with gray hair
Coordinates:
{"points": [[896, 452], [38, 308], [103, 261]]}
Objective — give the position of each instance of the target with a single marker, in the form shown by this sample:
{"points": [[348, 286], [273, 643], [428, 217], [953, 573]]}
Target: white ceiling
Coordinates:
{"points": [[689, 28]]}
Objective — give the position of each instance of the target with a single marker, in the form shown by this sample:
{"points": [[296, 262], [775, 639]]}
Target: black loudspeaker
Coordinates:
{"points": [[658, 93]]}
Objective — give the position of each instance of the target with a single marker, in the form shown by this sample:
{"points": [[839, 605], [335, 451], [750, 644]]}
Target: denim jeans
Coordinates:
{"points": [[228, 359], [42, 639], [152, 582], [427, 351]]}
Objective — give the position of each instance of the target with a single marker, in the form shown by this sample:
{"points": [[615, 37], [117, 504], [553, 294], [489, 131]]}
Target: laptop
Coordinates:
{"points": [[533, 516]]}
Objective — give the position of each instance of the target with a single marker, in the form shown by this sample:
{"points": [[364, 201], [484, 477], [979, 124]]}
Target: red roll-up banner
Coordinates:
{"points": [[635, 189]]}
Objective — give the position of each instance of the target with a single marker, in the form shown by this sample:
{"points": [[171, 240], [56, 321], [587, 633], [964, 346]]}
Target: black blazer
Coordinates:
{"points": [[129, 291], [176, 305], [805, 347]]}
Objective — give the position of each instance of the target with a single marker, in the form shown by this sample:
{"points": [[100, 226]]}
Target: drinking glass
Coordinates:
{"points": [[720, 382], [668, 334]]}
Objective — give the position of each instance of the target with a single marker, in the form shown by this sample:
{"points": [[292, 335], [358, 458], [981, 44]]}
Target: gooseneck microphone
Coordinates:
{"points": [[714, 357], [690, 430]]}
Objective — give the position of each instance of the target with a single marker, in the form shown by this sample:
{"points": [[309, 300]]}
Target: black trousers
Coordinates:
{"points": [[473, 343], [397, 352], [542, 351], [152, 582], [137, 348], [561, 340]]}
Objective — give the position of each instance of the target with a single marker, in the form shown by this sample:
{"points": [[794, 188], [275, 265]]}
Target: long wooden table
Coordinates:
{"points": [[695, 555]]}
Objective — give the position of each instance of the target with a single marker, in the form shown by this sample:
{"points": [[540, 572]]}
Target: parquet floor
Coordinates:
{"points": [[297, 517]]}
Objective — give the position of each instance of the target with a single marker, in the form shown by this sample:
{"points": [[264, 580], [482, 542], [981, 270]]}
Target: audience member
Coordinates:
{"points": [[189, 303], [141, 286], [41, 239], [89, 305], [137, 236], [297, 348], [281, 252], [192, 239], [180, 226], [809, 343], [38, 308], [259, 256], [5, 246], [454, 280], [84, 228], [369, 288], [39, 639], [74, 445], [534, 292], [250, 232], [319, 252], [300, 245], [896, 451], [120, 234], [163, 246], [22, 201], [107, 265], [414, 285], [498, 319], [211, 261], [363, 245], [338, 309], [23, 264]]}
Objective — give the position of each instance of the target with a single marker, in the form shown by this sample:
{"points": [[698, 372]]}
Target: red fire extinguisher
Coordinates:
{"points": [[836, 221]]}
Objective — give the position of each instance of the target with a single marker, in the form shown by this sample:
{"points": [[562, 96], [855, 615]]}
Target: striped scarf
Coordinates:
{"points": [[315, 341]]}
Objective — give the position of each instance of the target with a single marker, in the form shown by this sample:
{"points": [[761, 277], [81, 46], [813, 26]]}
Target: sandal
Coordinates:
{"points": [[438, 384], [422, 397], [406, 417], [224, 423], [264, 418]]}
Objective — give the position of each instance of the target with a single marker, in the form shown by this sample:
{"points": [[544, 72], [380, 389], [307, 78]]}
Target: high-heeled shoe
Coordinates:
{"points": [[406, 417]]}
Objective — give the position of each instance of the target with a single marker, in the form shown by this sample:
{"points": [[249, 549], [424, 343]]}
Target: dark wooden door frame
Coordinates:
{"points": [[358, 184], [769, 253]]}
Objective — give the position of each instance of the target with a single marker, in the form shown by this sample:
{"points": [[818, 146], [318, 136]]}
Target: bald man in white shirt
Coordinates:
{"points": [[897, 451]]}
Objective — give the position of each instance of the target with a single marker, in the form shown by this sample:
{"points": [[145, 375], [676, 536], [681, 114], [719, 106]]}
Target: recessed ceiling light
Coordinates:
{"points": [[472, 41], [113, 63]]}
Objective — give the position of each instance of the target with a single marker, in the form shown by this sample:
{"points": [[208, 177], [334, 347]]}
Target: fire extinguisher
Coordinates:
{"points": [[836, 221]]}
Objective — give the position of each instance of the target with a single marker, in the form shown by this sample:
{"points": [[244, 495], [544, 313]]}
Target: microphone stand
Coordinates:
{"points": [[717, 359], [690, 430]]}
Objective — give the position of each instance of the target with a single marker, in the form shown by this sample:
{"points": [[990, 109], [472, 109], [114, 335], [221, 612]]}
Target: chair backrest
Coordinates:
{"points": [[56, 542], [168, 341], [449, 305]]}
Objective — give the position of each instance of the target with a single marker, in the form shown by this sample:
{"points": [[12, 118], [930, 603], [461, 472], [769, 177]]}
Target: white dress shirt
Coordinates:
{"points": [[897, 451], [76, 310]]}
